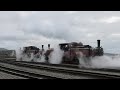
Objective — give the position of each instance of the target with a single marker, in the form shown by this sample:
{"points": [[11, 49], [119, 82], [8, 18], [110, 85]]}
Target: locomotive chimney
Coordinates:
{"points": [[98, 41], [48, 46], [42, 47]]}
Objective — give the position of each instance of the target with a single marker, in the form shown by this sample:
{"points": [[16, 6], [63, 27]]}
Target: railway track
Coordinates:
{"points": [[24, 73], [102, 74], [33, 73], [27, 75]]}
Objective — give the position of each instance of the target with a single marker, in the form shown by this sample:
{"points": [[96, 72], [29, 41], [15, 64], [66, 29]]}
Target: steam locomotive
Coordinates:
{"points": [[71, 52]]}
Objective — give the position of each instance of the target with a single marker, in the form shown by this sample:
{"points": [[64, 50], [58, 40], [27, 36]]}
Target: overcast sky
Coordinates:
{"points": [[22, 28]]}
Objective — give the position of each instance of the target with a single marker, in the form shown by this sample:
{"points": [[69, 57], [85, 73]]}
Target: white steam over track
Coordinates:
{"points": [[101, 62], [106, 62]]}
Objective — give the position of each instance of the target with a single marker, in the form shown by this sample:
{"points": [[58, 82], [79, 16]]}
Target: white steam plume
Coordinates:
{"points": [[56, 56], [100, 62], [106, 62], [18, 54]]}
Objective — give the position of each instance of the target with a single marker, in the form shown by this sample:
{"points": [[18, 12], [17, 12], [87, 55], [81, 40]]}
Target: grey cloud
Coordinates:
{"points": [[73, 27], [16, 28]]}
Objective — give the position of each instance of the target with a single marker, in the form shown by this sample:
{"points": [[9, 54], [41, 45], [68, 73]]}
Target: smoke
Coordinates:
{"points": [[18, 54], [106, 62], [56, 56], [100, 62], [22, 57], [84, 61], [39, 57]]}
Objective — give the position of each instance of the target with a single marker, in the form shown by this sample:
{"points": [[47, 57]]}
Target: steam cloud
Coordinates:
{"points": [[100, 62], [106, 62], [56, 56]]}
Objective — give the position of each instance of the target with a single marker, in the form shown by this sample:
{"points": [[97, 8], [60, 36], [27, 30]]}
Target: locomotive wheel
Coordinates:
{"points": [[65, 60], [21, 59], [47, 59], [68, 61], [32, 60], [76, 61]]}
